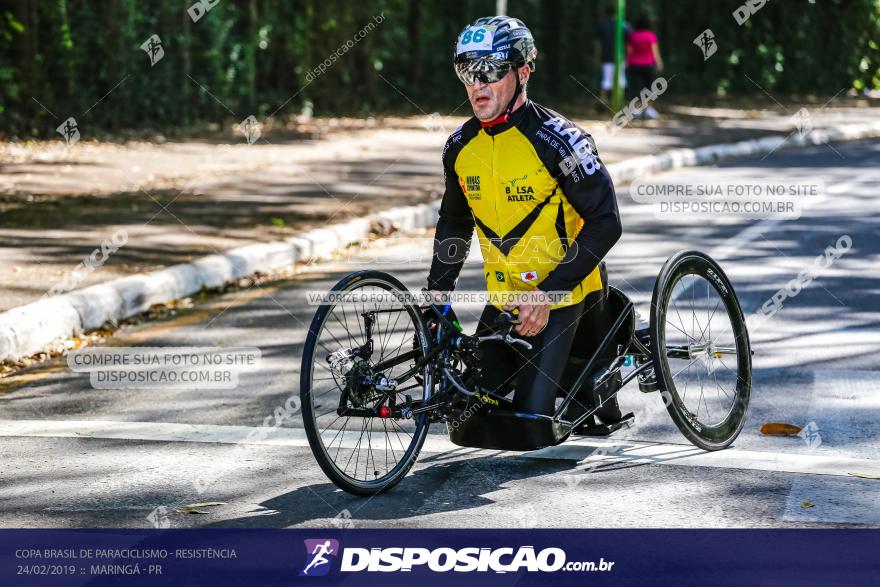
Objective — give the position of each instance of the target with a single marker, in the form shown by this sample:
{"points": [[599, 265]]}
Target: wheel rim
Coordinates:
{"points": [[703, 355], [368, 451]]}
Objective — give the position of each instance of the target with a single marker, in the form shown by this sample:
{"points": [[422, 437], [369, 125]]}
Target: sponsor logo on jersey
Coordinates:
{"points": [[519, 193], [584, 152], [513, 181], [472, 187]]}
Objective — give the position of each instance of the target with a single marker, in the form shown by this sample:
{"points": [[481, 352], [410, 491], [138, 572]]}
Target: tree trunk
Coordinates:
{"points": [[186, 65], [415, 43], [28, 73], [252, 57]]}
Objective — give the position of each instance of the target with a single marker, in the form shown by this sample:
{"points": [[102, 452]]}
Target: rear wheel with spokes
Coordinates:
{"points": [[700, 348], [354, 414]]}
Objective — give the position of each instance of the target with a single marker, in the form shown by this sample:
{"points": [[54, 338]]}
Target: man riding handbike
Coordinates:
{"points": [[379, 368], [544, 208]]}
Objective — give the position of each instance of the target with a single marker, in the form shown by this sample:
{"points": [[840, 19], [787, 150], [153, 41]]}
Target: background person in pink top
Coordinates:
{"points": [[643, 61]]}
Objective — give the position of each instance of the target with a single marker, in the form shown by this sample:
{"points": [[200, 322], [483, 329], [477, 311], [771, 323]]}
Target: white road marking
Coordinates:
{"points": [[690, 456], [582, 450], [736, 243]]}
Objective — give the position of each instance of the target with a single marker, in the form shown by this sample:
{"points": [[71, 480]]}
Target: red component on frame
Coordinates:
{"points": [[384, 412]]}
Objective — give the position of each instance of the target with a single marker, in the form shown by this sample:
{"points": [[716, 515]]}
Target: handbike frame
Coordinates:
{"points": [[449, 338]]}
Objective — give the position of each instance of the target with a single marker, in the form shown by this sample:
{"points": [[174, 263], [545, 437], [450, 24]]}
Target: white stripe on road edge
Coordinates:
{"points": [[581, 450], [689, 456], [735, 244]]}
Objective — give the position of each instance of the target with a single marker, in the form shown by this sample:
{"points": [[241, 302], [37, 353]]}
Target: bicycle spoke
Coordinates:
{"points": [[709, 319], [341, 323], [357, 448], [694, 315], [397, 431], [701, 398], [686, 366], [370, 449], [390, 328], [344, 428], [686, 378], [682, 331], [327, 427], [709, 323], [382, 358], [680, 319], [721, 387], [360, 329], [389, 444]]}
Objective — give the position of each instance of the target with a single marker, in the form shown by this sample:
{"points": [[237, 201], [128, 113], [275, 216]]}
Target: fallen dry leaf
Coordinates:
{"points": [[779, 429], [807, 504], [187, 510], [863, 476]]}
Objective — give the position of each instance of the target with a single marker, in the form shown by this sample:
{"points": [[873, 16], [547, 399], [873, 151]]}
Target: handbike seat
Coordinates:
{"points": [[502, 428]]}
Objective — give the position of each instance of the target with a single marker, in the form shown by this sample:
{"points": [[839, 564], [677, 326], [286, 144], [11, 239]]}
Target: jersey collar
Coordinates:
{"points": [[505, 121]]}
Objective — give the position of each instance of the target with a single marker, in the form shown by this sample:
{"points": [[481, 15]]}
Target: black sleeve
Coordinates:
{"points": [[455, 226], [586, 183]]}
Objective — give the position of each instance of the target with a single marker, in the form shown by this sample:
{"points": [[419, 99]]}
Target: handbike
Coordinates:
{"points": [[378, 369]]}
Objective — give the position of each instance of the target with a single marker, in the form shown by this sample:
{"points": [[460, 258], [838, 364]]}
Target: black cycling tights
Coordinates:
{"points": [[537, 372]]}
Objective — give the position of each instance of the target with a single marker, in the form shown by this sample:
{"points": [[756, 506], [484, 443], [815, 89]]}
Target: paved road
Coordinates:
{"points": [[180, 200], [73, 456]]}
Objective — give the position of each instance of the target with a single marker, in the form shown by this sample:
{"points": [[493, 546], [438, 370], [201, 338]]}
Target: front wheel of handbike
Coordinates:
{"points": [[368, 332], [700, 350]]}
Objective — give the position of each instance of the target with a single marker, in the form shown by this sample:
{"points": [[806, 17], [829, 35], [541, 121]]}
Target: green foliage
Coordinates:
{"points": [[83, 58]]}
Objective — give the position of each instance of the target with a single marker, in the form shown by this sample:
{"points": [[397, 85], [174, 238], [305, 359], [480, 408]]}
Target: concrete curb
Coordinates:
{"points": [[626, 171], [43, 324]]}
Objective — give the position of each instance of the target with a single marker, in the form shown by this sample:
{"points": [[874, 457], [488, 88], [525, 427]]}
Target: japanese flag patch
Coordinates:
{"points": [[529, 275]]}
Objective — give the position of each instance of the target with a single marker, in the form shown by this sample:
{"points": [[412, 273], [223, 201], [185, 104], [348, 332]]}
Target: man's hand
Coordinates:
{"points": [[433, 297], [533, 316]]}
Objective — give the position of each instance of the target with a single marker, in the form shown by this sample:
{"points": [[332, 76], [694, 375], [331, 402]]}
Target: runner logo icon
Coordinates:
{"points": [[320, 553]]}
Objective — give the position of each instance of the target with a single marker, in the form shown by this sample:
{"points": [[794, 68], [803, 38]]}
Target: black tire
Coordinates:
{"points": [[688, 275], [317, 350]]}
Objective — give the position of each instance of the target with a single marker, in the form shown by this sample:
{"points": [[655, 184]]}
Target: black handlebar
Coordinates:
{"points": [[505, 322]]}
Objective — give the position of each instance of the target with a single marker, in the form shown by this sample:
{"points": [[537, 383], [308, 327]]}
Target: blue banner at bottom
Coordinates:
{"points": [[324, 557]]}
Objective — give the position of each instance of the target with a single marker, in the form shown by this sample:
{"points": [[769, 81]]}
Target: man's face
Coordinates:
{"points": [[490, 100]]}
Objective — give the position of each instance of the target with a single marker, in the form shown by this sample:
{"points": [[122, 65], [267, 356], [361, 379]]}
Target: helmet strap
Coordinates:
{"points": [[506, 115]]}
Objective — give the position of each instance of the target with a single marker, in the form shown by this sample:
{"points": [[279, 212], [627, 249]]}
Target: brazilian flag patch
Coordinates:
{"points": [[499, 276]]}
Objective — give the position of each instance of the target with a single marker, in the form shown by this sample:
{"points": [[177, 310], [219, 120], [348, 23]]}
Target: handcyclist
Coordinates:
{"points": [[545, 212]]}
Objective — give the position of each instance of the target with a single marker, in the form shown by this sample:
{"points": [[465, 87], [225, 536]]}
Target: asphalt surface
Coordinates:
{"points": [[75, 456]]}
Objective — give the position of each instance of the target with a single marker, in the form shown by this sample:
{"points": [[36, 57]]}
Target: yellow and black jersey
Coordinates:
{"points": [[541, 200]]}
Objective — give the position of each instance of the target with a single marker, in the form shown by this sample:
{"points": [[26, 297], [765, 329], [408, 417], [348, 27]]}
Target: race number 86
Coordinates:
{"points": [[476, 36]]}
